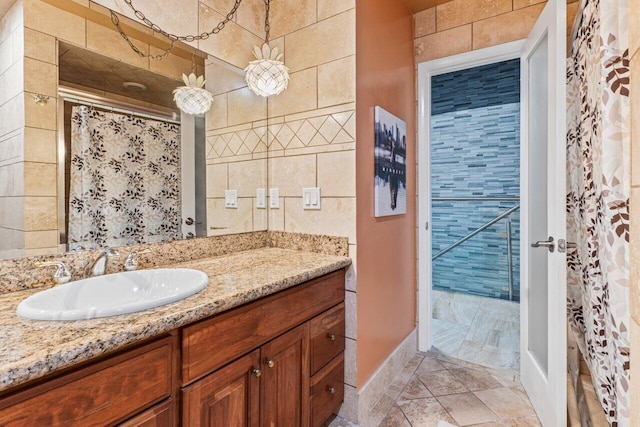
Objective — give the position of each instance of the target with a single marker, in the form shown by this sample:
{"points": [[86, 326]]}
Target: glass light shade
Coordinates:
{"points": [[267, 77], [193, 98]]}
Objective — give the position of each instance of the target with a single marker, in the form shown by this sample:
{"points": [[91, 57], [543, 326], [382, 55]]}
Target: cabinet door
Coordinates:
{"points": [[228, 397], [101, 394], [285, 382], [160, 415]]}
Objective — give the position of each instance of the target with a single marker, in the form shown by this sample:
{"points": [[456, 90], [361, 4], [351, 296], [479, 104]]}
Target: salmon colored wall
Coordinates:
{"points": [[385, 76]]}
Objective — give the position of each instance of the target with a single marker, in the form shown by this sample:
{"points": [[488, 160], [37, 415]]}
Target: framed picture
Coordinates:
{"points": [[390, 164]]}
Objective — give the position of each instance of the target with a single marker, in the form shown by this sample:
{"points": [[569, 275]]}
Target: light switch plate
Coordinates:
{"points": [[274, 198], [261, 198], [231, 199], [311, 198]]}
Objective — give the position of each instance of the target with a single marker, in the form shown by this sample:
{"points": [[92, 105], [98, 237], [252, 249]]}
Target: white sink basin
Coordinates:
{"points": [[113, 294]]}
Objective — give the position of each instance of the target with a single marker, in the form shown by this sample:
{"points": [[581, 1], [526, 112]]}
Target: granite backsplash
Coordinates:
{"points": [[20, 274]]}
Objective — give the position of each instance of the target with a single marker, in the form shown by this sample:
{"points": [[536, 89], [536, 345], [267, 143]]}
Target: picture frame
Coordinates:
{"points": [[390, 159]]}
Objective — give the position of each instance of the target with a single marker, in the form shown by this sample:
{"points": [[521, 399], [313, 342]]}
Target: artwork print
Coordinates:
{"points": [[390, 164]]}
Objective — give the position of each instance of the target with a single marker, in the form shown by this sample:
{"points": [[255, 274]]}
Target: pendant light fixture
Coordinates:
{"points": [[191, 98], [267, 75]]}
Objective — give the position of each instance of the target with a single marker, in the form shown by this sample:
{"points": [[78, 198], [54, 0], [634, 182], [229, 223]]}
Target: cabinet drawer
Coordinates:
{"points": [[327, 337], [160, 415], [327, 391], [101, 394], [214, 342]]}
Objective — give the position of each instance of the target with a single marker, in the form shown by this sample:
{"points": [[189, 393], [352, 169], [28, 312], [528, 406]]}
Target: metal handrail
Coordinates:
{"points": [[475, 199], [475, 232]]}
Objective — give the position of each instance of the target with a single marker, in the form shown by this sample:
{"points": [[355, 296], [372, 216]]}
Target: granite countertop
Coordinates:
{"points": [[30, 349]]}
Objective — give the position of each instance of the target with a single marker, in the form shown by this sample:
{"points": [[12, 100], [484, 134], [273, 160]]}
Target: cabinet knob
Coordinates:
{"points": [[270, 363], [257, 373], [331, 337], [331, 390]]}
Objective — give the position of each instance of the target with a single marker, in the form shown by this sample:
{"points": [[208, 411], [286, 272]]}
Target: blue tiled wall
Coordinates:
{"points": [[475, 152]]}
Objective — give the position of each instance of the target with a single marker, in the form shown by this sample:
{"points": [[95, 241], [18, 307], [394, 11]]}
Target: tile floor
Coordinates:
{"points": [[477, 329], [435, 390]]}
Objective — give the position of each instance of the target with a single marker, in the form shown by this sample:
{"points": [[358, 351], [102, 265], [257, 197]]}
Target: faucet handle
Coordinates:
{"points": [[62, 274], [131, 263], [110, 252]]}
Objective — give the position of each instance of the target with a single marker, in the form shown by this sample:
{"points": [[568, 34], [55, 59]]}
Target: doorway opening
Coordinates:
{"points": [[469, 164], [475, 222]]}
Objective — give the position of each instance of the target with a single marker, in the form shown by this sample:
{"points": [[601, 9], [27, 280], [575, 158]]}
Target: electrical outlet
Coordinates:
{"points": [[274, 198], [311, 198], [231, 199], [261, 198]]}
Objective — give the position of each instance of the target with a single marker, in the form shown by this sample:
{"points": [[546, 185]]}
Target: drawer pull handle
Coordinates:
{"points": [[331, 390], [270, 363], [257, 373], [331, 337]]}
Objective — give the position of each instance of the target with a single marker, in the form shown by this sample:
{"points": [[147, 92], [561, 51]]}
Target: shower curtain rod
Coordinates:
{"points": [[91, 100]]}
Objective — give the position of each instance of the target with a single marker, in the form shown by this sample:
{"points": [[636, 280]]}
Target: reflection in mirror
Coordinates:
{"points": [[78, 63], [237, 151], [123, 180]]}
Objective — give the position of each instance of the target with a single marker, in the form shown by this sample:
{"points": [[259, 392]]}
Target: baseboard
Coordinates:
{"points": [[365, 398]]}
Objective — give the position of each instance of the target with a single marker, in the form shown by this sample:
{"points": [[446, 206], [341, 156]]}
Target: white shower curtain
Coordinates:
{"points": [[598, 144], [124, 180]]}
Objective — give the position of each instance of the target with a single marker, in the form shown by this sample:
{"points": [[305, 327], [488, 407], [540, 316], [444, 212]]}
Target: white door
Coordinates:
{"points": [[543, 273]]}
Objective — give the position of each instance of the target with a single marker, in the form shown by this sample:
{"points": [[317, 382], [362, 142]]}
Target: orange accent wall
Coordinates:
{"points": [[386, 257]]}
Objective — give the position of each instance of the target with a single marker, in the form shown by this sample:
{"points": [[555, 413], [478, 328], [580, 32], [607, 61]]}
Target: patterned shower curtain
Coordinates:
{"points": [[124, 180], [598, 144]]}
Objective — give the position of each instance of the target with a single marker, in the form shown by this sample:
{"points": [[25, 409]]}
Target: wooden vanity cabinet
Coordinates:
{"points": [[276, 361], [286, 348], [104, 393]]}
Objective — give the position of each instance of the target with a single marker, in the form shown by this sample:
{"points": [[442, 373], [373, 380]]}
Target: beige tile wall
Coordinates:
{"points": [[12, 133], [634, 50], [28, 143], [311, 138], [307, 132], [236, 150], [463, 25]]}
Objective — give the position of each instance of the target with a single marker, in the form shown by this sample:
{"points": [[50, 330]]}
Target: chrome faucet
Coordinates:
{"points": [[62, 274], [131, 263], [99, 266]]}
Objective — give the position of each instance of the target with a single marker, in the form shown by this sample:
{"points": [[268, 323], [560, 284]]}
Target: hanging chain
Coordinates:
{"points": [[189, 38], [116, 22], [267, 26], [172, 37]]}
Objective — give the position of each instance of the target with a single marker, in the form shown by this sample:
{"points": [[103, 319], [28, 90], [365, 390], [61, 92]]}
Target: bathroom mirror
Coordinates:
{"points": [[102, 142]]}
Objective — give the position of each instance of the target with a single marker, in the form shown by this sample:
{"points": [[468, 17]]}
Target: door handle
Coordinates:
{"points": [[549, 244], [563, 245]]}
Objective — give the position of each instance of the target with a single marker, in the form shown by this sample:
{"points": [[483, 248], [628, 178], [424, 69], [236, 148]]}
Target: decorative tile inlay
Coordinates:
{"points": [[312, 130], [323, 130], [236, 143]]}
